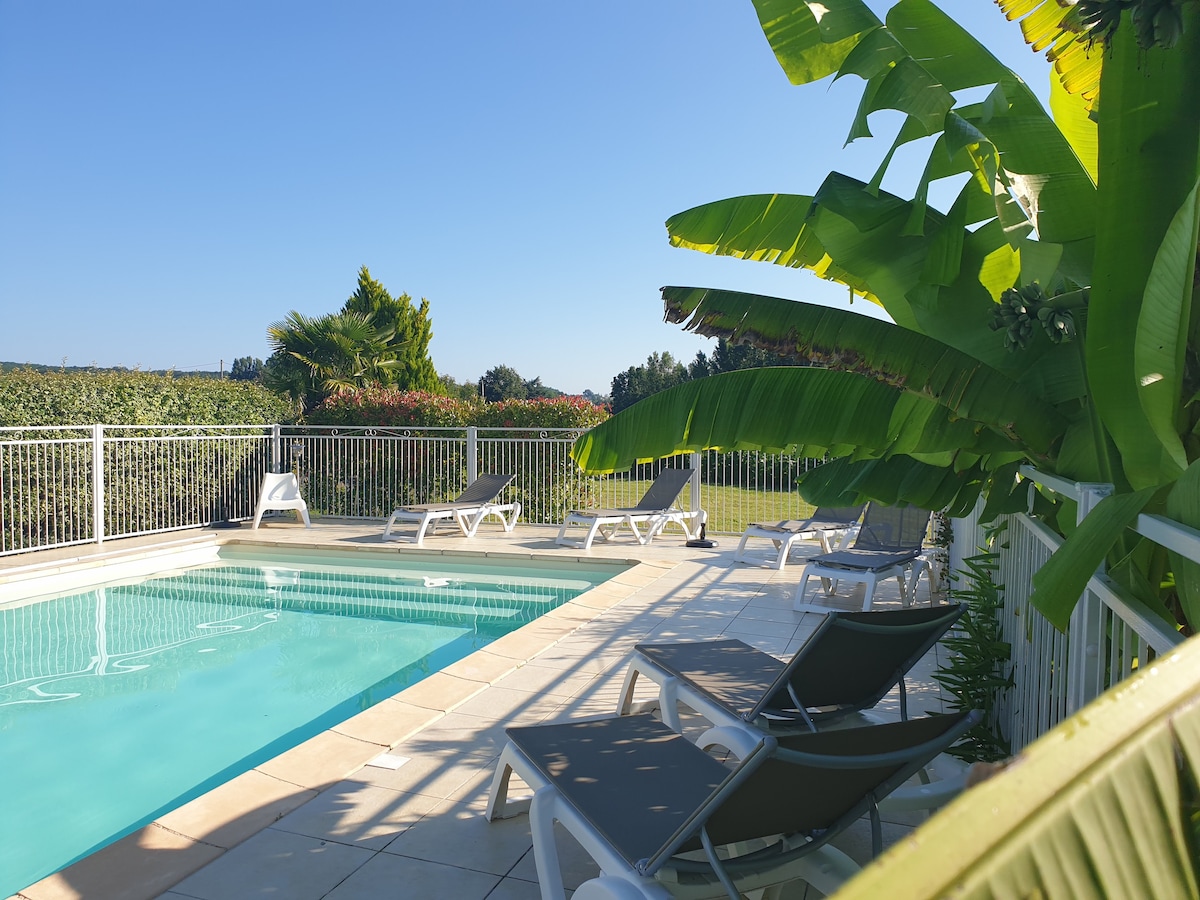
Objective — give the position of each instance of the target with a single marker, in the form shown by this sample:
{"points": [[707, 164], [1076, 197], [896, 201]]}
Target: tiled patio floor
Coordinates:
{"points": [[316, 823]]}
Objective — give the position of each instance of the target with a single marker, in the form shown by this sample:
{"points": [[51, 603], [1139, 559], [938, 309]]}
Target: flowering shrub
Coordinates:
{"points": [[389, 407], [544, 412], [375, 406]]}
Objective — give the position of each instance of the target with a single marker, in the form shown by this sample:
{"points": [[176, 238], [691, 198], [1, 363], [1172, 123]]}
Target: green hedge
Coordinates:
{"points": [[134, 398], [387, 408]]}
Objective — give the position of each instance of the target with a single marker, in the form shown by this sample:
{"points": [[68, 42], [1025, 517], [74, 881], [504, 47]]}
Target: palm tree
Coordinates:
{"points": [[1045, 317], [316, 356]]}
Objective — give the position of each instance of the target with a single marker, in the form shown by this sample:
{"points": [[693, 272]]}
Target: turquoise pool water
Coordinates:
{"points": [[122, 701]]}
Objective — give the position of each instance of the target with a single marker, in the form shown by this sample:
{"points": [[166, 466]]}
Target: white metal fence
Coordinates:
{"points": [[1111, 634], [61, 486]]}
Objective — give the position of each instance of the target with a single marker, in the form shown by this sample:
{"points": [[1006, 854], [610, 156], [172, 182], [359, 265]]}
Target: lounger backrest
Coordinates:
{"points": [[853, 659], [830, 779], [484, 489], [836, 515], [666, 487], [817, 783], [892, 528]]}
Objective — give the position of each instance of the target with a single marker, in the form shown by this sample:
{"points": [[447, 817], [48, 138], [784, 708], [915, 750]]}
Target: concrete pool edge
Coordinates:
{"points": [[203, 829]]}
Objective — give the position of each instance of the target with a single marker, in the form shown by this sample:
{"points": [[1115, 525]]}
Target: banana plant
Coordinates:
{"points": [[1046, 316]]}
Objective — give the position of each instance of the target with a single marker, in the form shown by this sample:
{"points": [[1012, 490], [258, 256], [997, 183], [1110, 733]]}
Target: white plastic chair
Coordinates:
{"points": [[281, 491]]}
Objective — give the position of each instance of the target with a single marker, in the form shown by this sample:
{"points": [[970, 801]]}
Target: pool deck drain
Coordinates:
{"points": [[390, 802]]}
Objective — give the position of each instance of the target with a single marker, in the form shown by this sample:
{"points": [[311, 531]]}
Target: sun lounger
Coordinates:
{"points": [[468, 510], [825, 525], [651, 808], [888, 544], [654, 511], [850, 663]]}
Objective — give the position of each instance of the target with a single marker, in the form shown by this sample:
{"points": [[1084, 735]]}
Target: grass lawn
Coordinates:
{"points": [[730, 509]]}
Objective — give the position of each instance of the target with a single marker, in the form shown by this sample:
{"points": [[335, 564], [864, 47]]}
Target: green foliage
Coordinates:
{"points": [[974, 673], [374, 339], [133, 398], [636, 383], [385, 407], [410, 330], [468, 390], [199, 481], [390, 408], [246, 368], [543, 412], [503, 383]]}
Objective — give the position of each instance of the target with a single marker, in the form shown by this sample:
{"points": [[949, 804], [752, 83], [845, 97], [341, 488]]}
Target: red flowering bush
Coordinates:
{"points": [[388, 407], [544, 412]]}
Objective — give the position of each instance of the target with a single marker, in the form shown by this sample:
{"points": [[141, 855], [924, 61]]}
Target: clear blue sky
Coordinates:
{"points": [[176, 176]]}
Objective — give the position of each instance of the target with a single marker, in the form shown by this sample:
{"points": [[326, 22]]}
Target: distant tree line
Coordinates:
{"points": [[663, 371], [380, 342]]}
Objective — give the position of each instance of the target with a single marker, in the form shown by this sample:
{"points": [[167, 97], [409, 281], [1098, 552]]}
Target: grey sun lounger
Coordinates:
{"points": [[655, 511], [889, 544], [650, 807], [825, 524], [850, 663], [468, 510]]}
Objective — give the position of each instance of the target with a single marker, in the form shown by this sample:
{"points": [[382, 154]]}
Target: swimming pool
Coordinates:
{"points": [[122, 700]]}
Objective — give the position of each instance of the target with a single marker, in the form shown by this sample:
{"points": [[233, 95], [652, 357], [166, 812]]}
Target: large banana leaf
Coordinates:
{"points": [[1059, 583], [866, 232], [800, 410], [1103, 806], [896, 479], [915, 64], [845, 341], [1149, 163], [811, 43], [1183, 505], [1055, 27], [761, 227]]}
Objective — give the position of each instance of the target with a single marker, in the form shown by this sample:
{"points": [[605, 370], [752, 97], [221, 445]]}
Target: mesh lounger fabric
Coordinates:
{"points": [[850, 662]]}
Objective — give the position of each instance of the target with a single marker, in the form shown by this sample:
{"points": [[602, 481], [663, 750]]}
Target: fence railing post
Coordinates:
{"points": [[1085, 672], [98, 483], [472, 454], [276, 449]]}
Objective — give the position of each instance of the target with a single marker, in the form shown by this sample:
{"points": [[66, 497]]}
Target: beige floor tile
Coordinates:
{"points": [[276, 864], [502, 704], [388, 723], [482, 666], [550, 682], [440, 691], [397, 876], [137, 867], [435, 774], [515, 889], [577, 866], [456, 732], [321, 761], [525, 644], [357, 814], [458, 834], [229, 814]]}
